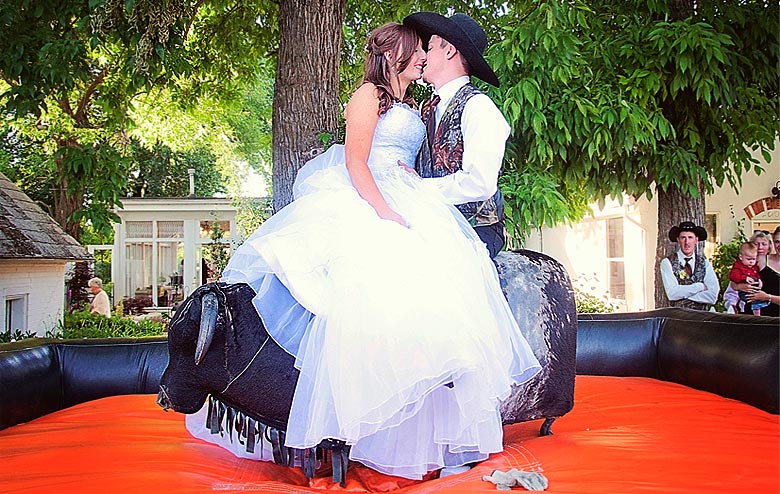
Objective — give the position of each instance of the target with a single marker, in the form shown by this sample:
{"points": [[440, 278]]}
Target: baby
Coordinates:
{"points": [[745, 270]]}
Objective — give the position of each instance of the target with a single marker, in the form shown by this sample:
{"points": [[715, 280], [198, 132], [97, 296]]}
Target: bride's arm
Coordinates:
{"points": [[361, 115]]}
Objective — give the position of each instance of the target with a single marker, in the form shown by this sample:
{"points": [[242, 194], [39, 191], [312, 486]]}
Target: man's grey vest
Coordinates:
{"points": [[699, 272], [445, 157]]}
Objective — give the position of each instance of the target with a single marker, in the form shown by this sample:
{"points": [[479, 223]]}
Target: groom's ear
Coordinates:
{"points": [[451, 52]]}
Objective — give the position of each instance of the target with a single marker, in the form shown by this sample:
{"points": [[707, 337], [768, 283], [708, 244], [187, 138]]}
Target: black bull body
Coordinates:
{"points": [[219, 347]]}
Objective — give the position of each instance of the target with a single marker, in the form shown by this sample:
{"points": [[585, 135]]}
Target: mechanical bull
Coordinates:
{"points": [[220, 350]]}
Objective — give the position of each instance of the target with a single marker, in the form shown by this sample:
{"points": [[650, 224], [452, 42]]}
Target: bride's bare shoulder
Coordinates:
{"points": [[364, 99]]}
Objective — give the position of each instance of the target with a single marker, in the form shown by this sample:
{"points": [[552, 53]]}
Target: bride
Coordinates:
{"points": [[384, 294]]}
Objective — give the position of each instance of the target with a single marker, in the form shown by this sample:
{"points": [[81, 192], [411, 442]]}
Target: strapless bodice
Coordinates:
{"points": [[398, 135]]}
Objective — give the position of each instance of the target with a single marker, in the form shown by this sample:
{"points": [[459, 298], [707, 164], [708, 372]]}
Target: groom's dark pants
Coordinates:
{"points": [[493, 236]]}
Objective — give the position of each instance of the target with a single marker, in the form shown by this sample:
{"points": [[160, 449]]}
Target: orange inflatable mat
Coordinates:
{"points": [[625, 435]]}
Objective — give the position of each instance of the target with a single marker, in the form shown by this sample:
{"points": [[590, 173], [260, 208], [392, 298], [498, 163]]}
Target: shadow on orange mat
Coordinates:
{"points": [[624, 435]]}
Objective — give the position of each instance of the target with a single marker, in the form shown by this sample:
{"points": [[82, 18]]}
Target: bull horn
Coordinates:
{"points": [[208, 321]]}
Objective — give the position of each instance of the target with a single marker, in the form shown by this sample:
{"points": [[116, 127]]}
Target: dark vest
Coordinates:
{"points": [[699, 272], [445, 156]]}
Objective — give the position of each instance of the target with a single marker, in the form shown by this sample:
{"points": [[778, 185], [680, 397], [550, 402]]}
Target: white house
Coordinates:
{"points": [[34, 251], [613, 251], [161, 247]]}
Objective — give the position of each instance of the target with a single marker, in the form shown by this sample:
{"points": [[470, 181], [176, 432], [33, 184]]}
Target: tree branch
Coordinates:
{"points": [[192, 18], [81, 111], [64, 104]]}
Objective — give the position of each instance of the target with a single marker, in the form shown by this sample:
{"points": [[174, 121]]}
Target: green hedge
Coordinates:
{"points": [[590, 304], [81, 324]]}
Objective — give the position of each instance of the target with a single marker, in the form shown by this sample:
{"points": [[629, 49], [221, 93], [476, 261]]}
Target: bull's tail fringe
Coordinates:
{"points": [[223, 419]]}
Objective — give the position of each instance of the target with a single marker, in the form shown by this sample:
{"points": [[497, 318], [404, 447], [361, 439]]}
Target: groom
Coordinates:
{"points": [[467, 133]]}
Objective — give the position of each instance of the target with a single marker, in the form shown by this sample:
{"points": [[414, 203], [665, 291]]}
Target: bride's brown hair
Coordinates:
{"points": [[401, 42]]}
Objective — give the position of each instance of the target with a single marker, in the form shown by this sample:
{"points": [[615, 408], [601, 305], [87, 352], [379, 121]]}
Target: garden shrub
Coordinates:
{"points": [[590, 304], [584, 299], [82, 324], [8, 336]]}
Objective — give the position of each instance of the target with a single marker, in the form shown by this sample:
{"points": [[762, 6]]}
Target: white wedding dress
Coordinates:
{"points": [[403, 338]]}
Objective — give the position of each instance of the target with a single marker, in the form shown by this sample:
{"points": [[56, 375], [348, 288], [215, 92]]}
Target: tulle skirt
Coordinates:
{"points": [[403, 338]]}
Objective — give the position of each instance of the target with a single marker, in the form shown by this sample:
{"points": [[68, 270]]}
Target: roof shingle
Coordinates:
{"points": [[27, 232]]}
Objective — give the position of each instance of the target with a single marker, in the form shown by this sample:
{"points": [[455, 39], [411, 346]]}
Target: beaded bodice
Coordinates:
{"points": [[398, 135]]}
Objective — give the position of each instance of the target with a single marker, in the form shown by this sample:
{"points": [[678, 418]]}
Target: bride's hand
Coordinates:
{"points": [[408, 168], [389, 214]]}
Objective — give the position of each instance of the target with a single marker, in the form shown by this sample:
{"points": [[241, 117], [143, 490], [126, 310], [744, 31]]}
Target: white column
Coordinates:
{"points": [[119, 262], [191, 236]]}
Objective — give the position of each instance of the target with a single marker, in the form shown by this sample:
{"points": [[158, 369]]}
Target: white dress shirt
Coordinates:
{"points": [[485, 132], [695, 291]]}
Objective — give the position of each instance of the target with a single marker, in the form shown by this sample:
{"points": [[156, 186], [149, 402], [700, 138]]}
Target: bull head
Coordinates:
{"points": [[218, 346], [209, 310]]}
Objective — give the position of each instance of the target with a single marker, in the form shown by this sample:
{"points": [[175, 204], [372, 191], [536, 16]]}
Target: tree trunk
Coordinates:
{"points": [[674, 207], [64, 206], [306, 91], [681, 9], [65, 203]]}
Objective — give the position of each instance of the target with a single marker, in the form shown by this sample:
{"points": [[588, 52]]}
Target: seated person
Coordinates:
{"points": [[745, 270]]}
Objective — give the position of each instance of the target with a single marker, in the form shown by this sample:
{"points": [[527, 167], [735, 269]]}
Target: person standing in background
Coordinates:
{"points": [[689, 279], [100, 304], [769, 269]]}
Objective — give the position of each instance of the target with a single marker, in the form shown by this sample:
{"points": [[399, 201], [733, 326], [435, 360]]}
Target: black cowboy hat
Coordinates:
{"points": [[687, 226], [460, 30]]}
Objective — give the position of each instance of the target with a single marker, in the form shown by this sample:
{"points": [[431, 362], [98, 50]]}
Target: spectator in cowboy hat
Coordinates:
{"points": [[689, 280]]}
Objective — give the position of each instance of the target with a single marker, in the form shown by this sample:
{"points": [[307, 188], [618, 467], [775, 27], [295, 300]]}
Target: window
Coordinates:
{"points": [[16, 313], [154, 261], [711, 226], [170, 229], [139, 271], [615, 259], [138, 229], [170, 262], [154, 254]]}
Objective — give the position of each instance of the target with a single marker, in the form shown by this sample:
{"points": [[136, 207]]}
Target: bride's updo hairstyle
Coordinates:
{"points": [[401, 42]]}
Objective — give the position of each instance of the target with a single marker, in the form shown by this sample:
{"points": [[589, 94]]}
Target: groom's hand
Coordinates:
{"points": [[407, 168]]}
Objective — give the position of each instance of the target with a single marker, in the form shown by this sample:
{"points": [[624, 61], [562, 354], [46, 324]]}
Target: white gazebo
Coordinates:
{"points": [[162, 247]]}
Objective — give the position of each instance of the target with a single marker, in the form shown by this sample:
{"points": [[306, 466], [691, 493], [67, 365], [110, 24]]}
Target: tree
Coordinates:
{"points": [[306, 89], [60, 81], [203, 47], [77, 287], [161, 172], [73, 69], [75, 178], [22, 163], [642, 97]]}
